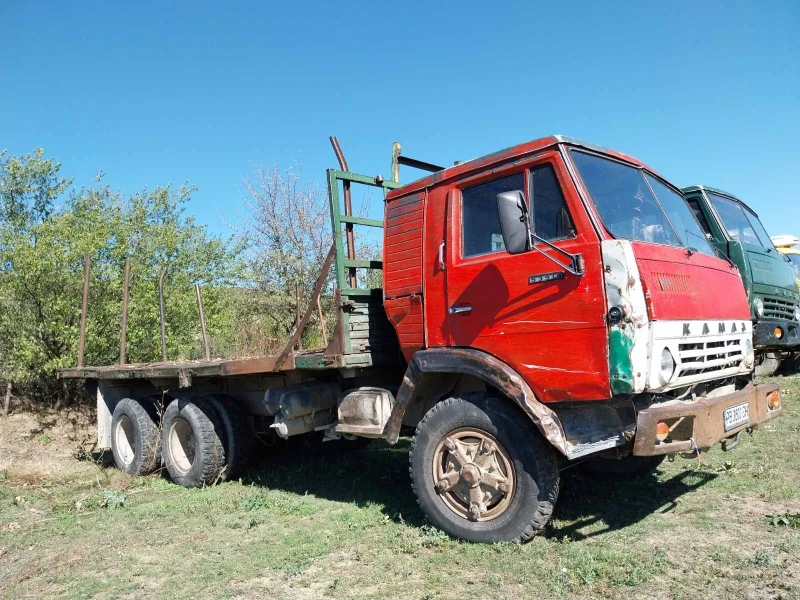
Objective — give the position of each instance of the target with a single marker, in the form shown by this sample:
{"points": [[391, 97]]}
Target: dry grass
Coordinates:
{"points": [[306, 526]]}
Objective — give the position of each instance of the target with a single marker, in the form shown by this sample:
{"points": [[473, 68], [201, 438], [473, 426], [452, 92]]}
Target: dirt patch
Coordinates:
{"points": [[46, 443], [314, 582]]}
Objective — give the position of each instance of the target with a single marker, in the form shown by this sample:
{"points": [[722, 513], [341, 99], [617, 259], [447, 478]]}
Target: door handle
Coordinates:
{"points": [[441, 256], [458, 310]]}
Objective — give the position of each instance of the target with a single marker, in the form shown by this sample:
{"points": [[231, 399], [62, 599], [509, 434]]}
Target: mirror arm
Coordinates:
{"points": [[576, 265]]}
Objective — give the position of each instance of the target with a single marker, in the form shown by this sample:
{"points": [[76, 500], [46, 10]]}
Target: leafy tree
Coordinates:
{"points": [[45, 234], [288, 234], [248, 283]]}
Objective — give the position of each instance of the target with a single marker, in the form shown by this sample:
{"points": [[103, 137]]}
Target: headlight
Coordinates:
{"points": [[667, 366], [759, 307], [749, 355], [797, 312]]}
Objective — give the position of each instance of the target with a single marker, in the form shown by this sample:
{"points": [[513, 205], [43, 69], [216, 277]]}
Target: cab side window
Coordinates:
{"points": [[701, 218], [550, 218], [481, 233]]}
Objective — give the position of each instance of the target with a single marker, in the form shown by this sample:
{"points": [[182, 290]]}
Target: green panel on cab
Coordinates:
{"points": [[619, 361]]}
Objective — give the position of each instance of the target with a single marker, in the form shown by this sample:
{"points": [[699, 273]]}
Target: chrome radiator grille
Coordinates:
{"points": [[777, 308], [706, 356]]}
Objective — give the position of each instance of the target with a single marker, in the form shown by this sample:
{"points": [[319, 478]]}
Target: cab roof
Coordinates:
{"points": [[699, 188], [496, 158]]}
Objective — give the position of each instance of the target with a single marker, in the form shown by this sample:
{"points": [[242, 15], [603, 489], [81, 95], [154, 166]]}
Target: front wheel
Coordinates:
{"points": [[766, 366], [482, 472]]}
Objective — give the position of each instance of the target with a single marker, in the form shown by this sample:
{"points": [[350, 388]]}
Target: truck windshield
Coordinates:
{"points": [[795, 260], [741, 223], [632, 204]]}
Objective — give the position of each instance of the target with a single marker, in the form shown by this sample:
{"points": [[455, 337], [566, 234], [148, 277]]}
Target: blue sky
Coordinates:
{"points": [[158, 92]]}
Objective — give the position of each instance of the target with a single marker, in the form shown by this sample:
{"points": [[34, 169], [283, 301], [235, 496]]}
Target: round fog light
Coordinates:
{"points": [[778, 333], [662, 431], [773, 400]]}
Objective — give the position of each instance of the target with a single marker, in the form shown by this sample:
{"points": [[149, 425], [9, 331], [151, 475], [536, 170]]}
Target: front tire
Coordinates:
{"points": [[481, 471], [191, 443], [766, 366]]}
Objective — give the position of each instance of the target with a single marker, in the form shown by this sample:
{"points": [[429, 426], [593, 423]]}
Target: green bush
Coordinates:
{"points": [[46, 230]]}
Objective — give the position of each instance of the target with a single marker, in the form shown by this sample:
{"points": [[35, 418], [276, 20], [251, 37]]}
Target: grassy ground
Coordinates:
{"points": [[348, 527]]}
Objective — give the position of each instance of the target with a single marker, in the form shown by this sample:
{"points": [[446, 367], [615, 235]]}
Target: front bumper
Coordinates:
{"points": [[699, 423], [764, 334]]}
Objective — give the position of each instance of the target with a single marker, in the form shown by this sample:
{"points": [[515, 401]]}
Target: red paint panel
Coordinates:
{"points": [[402, 257], [678, 286], [552, 333], [404, 241], [405, 314], [435, 306], [397, 229]]}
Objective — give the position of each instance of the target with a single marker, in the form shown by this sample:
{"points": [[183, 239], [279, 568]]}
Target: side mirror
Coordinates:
{"points": [[513, 221]]}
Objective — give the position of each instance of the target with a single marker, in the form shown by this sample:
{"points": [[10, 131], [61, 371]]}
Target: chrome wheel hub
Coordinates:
{"points": [[473, 474]]}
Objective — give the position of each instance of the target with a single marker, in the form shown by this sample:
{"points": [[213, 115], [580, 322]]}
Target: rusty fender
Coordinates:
{"points": [[467, 361]]}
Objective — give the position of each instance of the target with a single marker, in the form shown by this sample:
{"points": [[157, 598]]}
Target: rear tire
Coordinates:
{"points": [[630, 466], [236, 434], [766, 366], [191, 442], [504, 485], [134, 438]]}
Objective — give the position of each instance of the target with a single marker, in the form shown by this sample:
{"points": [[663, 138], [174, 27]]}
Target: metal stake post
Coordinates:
{"points": [[87, 265], [162, 314], [202, 320], [123, 339], [297, 313], [322, 323], [348, 211]]}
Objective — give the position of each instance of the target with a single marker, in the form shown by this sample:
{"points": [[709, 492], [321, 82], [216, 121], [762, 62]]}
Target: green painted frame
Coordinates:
{"points": [[338, 218]]}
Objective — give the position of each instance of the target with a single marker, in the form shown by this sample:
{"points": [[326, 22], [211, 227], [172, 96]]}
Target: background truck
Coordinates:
{"points": [[548, 304], [769, 278], [788, 246]]}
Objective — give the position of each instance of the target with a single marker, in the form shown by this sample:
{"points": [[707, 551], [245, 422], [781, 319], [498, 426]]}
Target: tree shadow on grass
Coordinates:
{"points": [[378, 475], [588, 499], [375, 475]]}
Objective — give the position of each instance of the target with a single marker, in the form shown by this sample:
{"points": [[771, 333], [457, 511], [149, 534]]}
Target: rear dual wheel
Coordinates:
{"points": [[236, 434], [482, 472], [201, 440], [191, 443], [135, 441]]}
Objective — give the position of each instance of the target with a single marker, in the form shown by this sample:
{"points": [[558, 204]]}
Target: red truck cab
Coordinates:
{"points": [[611, 322]]}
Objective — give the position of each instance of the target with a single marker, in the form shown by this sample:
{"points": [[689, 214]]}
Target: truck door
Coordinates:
{"points": [[546, 323]]}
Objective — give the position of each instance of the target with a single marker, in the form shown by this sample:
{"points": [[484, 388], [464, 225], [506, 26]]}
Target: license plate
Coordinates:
{"points": [[735, 416]]}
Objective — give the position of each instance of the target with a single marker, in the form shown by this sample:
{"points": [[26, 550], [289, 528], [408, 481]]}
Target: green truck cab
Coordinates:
{"points": [[769, 279]]}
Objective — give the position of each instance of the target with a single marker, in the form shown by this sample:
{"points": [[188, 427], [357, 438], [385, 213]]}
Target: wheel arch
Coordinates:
{"points": [[435, 373]]}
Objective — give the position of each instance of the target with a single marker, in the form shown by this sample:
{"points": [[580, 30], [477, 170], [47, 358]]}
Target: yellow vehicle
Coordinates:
{"points": [[788, 246]]}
